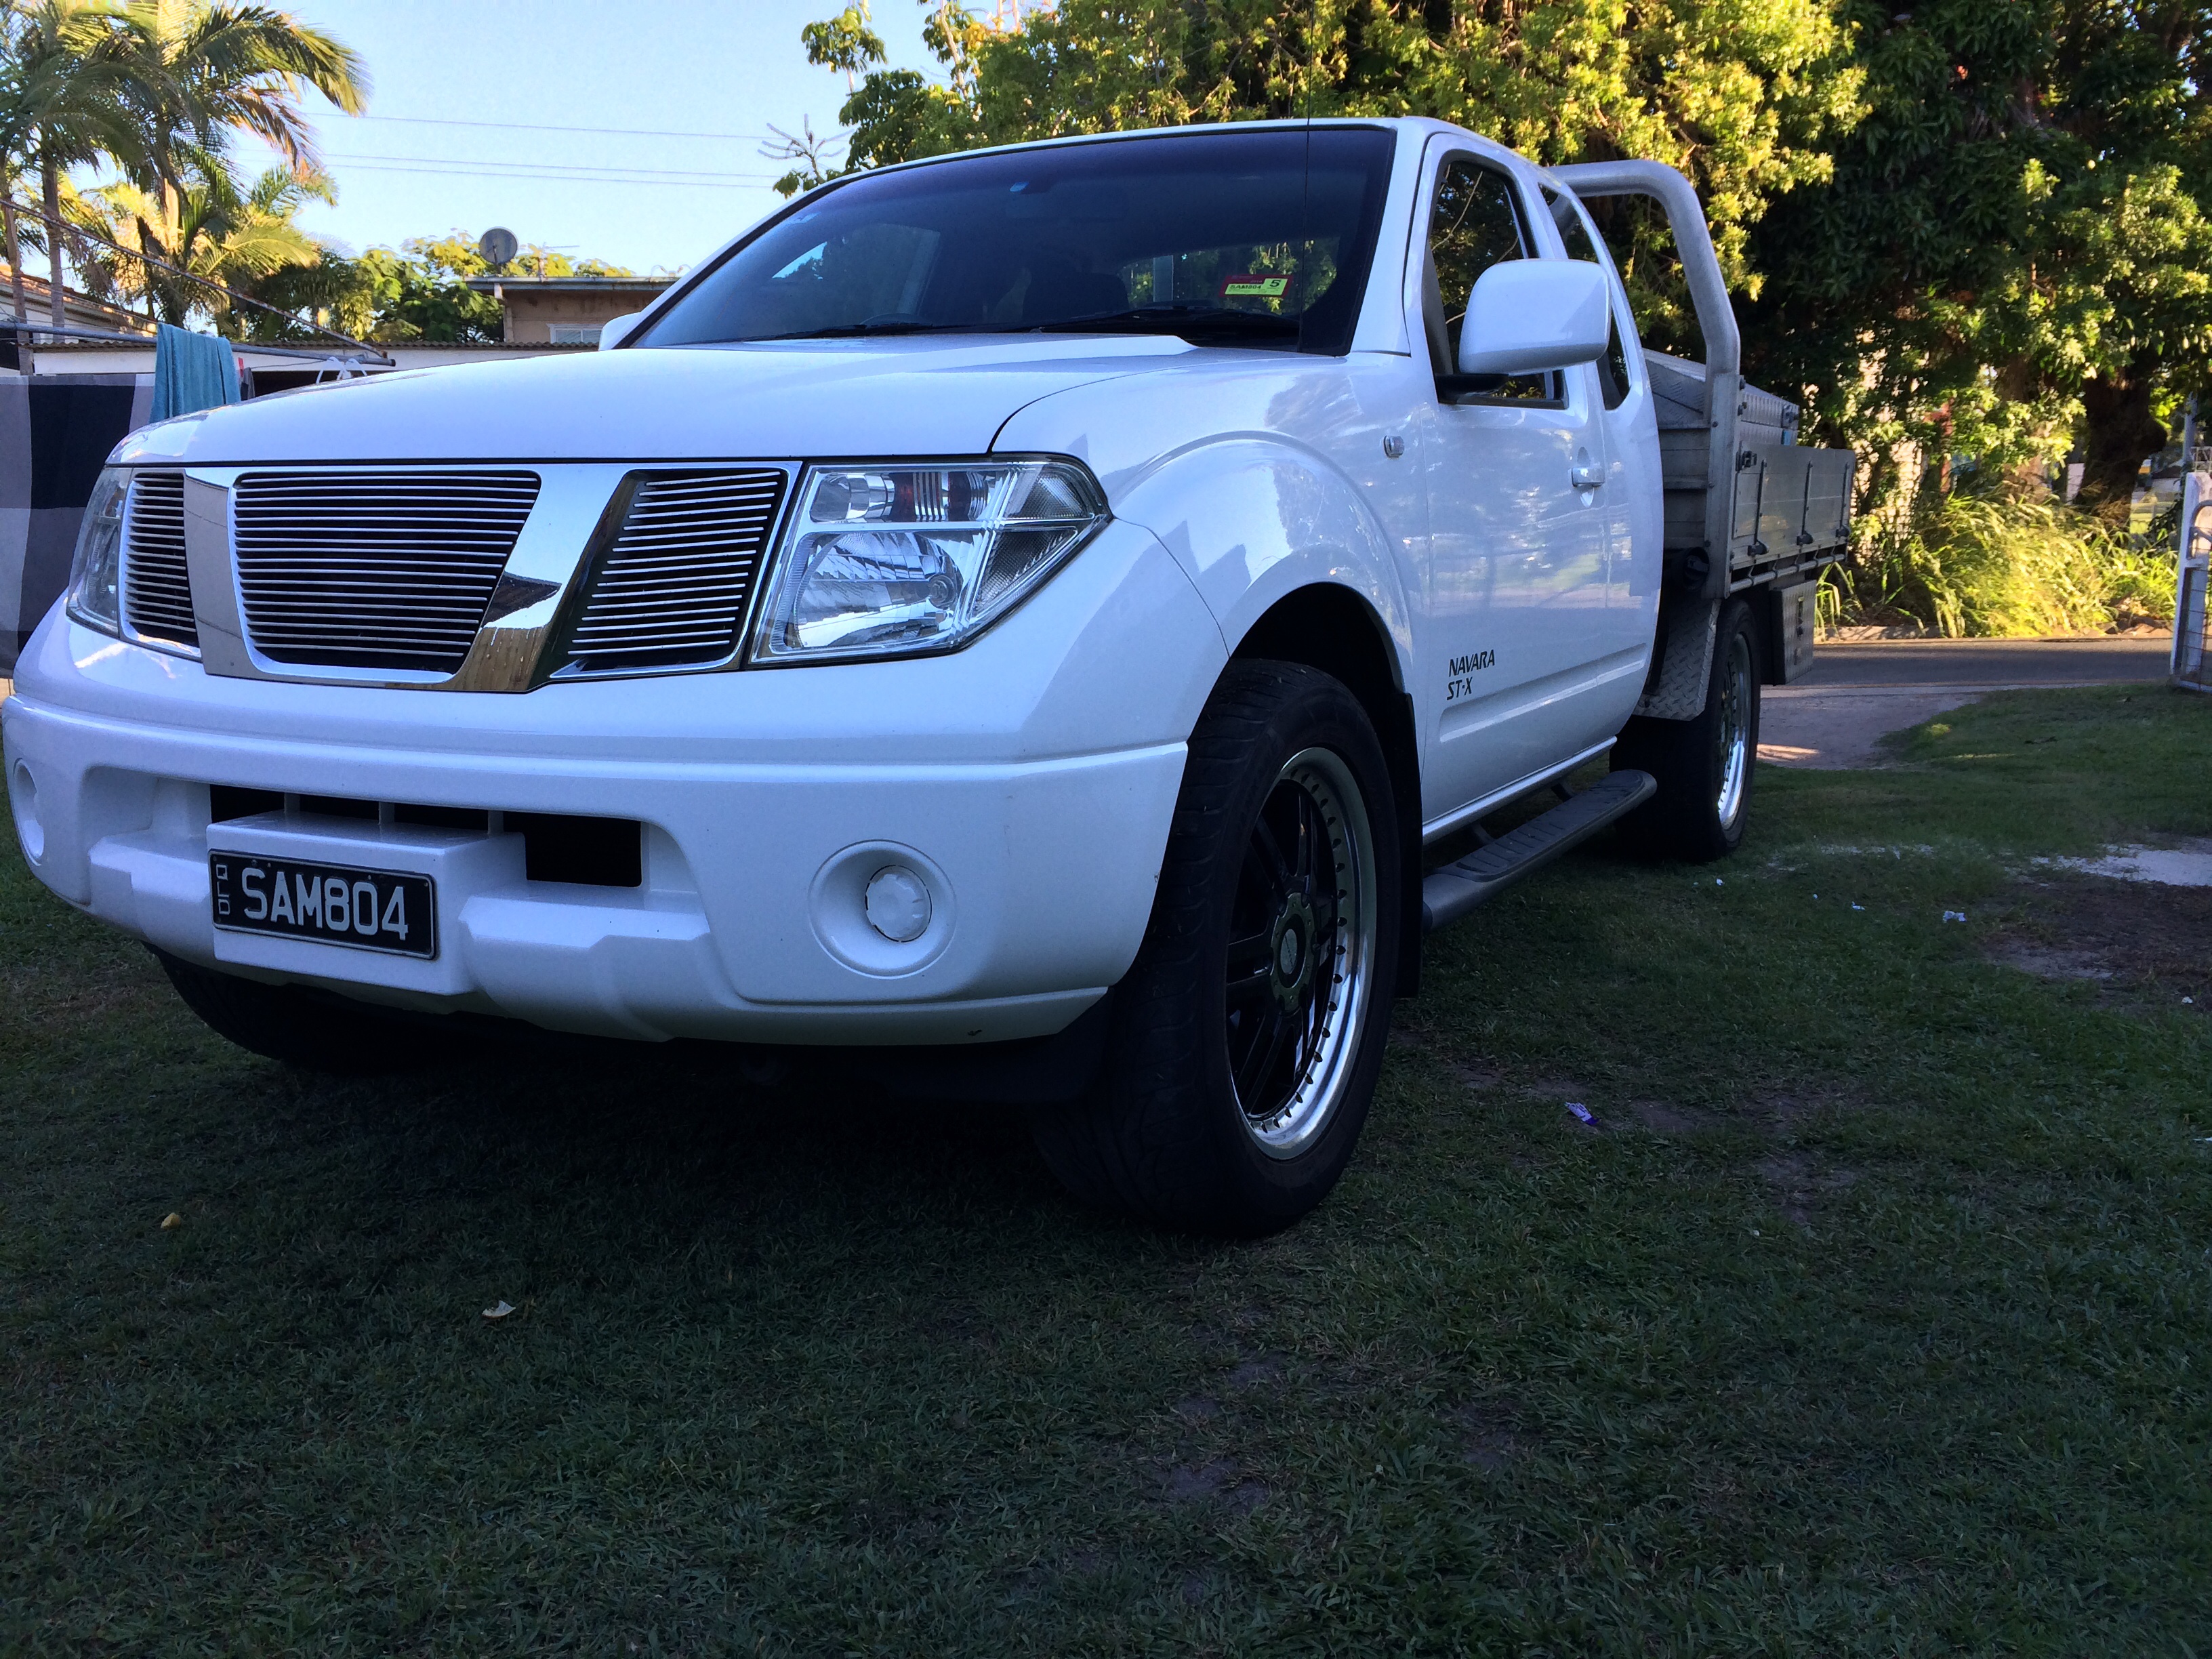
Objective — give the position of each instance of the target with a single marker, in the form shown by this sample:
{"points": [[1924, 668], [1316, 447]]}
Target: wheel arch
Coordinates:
{"points": [[1331, 626]]}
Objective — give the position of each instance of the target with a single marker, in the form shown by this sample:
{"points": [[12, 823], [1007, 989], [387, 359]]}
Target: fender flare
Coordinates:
{"points": [[1252, 519]]}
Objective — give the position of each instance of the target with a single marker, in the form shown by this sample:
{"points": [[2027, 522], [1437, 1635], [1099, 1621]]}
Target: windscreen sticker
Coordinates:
{"points": [[1255, 285]]}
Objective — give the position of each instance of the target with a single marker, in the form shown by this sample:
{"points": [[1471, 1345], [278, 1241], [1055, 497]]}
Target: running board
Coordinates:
{"points": [[1455, 889]]}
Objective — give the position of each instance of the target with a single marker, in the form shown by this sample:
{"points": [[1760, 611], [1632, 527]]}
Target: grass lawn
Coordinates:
{"points": [[1873, 1316]]}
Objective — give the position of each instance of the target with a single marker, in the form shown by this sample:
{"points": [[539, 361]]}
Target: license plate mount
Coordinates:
{"points": [[394, 912]]}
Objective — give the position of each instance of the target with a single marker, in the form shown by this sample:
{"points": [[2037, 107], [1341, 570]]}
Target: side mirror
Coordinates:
{"points": [[613, 331], [1529, 315]]}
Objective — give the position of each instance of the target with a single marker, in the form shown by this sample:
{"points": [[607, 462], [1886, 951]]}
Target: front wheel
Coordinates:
{"points": [[1703, 764], [1245, 1042]]}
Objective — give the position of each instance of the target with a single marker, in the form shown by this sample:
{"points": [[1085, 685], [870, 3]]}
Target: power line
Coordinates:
{"points": [[561, 177], [547, 166], [526, 127]]}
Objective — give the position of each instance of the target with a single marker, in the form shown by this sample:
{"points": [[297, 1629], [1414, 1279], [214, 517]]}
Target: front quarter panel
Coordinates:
{"points": [[1253, 521], [1259, 478]]}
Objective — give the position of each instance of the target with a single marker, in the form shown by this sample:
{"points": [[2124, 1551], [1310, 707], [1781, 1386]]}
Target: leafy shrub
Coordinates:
{"points": [[1994, 567]]}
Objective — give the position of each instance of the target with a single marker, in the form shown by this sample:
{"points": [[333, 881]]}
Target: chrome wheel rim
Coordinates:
{"points": [[1300, 971], [1733, 740]]}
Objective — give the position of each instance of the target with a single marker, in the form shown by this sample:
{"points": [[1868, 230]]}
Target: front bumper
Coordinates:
{"points": [[760, 794]]}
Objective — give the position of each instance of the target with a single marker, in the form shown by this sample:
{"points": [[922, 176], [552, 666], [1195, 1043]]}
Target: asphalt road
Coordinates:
{"points": [[1986, 664], [1836, 714]]}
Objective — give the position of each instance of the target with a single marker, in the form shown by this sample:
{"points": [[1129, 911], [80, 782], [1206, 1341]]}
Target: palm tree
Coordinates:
{"points": [[157, 88], [11, 246], [216, 68], [208, 228], [67, 98]]}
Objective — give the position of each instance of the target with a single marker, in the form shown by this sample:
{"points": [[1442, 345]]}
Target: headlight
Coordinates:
{"points": [[893, 560], [95, 575]]}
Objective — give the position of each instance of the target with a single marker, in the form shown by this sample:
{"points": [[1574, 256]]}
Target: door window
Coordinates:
{"points": [[1474, 222], [1613, 367]]}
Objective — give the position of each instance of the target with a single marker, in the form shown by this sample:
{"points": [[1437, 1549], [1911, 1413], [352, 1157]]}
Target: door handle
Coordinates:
{"points": [[1586, 474]]}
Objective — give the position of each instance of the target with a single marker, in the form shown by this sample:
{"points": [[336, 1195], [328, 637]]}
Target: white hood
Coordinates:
{"points": [[928, 395]]}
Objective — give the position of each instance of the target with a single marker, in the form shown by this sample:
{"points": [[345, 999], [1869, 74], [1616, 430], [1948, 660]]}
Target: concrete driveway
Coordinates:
{"points": [[1858, 691]]}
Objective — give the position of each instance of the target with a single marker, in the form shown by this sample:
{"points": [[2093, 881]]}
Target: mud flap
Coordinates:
{"points": [[1685, 661]]}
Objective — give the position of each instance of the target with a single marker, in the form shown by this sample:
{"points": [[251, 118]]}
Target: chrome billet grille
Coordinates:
{"points": [[157, 587], [671, 591], [387, 570]]}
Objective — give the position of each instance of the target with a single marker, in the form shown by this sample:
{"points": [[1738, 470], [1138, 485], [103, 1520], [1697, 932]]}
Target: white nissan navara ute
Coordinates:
{"points": [[1015, 619]]}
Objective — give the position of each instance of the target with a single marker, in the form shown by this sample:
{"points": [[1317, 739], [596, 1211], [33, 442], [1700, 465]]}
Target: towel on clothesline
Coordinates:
{"points": [[191, 372]]}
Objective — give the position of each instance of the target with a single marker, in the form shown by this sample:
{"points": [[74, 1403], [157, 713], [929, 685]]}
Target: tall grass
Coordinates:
{"points": [[2001, 568]]}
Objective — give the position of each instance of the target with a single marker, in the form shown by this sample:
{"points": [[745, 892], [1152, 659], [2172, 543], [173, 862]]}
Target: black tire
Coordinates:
{"points": [[1700, 811], [313, 1030], [1283, 755]]}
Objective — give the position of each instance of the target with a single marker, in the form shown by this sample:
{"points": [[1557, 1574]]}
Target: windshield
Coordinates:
{"points": [[1226, 238]]}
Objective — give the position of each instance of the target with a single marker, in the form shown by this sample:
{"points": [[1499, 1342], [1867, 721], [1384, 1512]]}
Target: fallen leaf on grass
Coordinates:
{"points": [[172, 1221], [499, 1310]]}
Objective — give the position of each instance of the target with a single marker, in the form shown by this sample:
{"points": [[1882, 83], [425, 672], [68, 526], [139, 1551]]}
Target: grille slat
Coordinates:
{"points": [[672, 590], [374, 569], [158, 586]]}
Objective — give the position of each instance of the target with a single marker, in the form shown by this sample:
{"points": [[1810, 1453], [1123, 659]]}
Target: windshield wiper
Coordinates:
{"points": [[1184, 320]]}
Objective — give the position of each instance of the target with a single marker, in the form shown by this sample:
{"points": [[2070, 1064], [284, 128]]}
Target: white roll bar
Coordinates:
{"points": [[1693, 244]]}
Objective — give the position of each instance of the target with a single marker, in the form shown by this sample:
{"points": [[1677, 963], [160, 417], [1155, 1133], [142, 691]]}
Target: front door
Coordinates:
{"points": [[1517, 566], [1635, 517]]}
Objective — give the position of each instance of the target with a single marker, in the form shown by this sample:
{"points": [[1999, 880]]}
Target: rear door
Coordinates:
{"points": [[1518, 572]]}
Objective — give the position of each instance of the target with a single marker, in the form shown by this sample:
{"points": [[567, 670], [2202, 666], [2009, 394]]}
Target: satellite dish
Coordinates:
{"points": [[497, 245]]}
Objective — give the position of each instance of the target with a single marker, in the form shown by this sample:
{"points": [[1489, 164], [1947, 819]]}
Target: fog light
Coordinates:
{"points": [[24, 794], [897, 904]]}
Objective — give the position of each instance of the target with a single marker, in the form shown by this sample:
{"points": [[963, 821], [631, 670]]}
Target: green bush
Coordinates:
{"points": [[1999, 568]]}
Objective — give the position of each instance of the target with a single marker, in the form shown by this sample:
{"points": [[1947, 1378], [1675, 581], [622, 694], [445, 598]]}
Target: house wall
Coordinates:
{"points": [[532, 316]]}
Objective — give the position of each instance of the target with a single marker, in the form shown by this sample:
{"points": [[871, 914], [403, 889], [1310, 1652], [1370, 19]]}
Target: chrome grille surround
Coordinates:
{"points": [[383, 569], [157, 587], [670, 590]]}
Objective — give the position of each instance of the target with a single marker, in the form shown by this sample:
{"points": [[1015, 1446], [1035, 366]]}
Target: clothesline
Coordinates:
{"points": [[22, 327], [144, 258]]}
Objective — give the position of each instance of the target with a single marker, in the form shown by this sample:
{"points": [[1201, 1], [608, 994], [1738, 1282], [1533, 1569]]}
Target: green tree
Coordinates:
{"points": [[68, 97], [157, 89], [844, 42], [210, 69], [2013, 248], [208, 229], [419, 293], [1743, 94], [221, 68]]}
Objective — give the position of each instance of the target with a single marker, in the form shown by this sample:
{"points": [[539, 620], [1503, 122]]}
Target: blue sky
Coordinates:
{"points": [[726, 68]]}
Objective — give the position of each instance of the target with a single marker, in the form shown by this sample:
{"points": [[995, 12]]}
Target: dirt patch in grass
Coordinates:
{"points": [[1491, 1435], [1802, 1185], [2135, 937], [1782, 1114], [1258, 1371], [1215, 1480], [1773, 1114], [1480, 1079], [1664, 1118]]}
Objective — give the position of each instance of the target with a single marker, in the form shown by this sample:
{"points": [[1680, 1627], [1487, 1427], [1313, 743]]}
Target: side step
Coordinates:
{"points": [[1453, 890]]}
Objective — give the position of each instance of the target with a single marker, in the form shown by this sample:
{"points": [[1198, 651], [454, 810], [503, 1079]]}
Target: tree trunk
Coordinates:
{"points": [[15, 253], [50, 178], [2122, 433]]}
